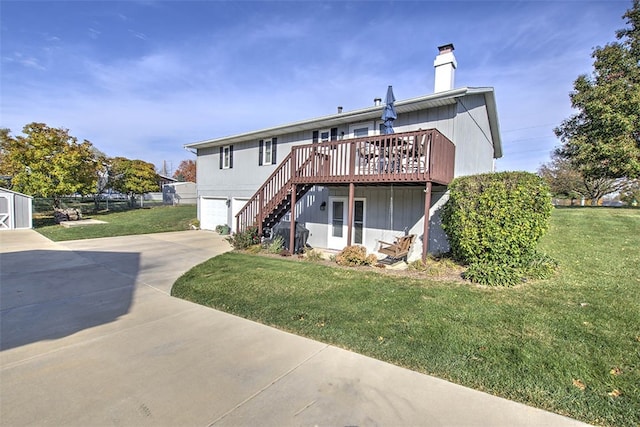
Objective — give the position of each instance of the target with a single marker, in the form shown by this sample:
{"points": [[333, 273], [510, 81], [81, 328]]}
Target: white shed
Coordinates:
{"points": [[179, 193], [15, 210]]}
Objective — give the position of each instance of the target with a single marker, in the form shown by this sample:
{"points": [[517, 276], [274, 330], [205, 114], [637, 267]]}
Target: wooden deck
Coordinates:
{"points": [[423, 157]]}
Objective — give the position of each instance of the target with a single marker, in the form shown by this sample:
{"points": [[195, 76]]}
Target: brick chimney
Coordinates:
{"points": [[445, 66]]}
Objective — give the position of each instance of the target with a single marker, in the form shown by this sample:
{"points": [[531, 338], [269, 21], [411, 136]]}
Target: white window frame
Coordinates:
{"points": [[226, 157], [328, 132], [357, 126], [267, 160]]}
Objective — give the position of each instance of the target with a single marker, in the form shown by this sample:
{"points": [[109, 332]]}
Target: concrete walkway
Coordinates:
{"points": [[91, 337]]}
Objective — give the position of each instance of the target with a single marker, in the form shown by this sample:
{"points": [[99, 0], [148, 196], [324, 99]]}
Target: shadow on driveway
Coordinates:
{"points": [[49, 294]]}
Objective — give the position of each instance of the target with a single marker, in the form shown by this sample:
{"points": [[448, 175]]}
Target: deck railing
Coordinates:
{"points": [[409, 157], [419, 156]]}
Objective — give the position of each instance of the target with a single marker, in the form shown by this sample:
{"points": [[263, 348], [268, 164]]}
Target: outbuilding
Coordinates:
{"points": [[15, 210], [179, 193]]}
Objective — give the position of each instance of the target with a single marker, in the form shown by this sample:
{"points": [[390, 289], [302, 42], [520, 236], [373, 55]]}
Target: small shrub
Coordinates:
{"points": [[371, 259], [353, 256], [194, 224], [493, 274], [244, 239], [223, 229], [276, 246]]}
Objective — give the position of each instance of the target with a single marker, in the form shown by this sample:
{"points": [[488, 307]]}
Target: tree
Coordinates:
{"points": [[47, 162], [603, 139], [133, 177], [566, 181], [186, 171]]}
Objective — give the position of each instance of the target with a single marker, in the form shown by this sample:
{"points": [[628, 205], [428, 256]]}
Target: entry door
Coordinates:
{"points": [[338, 220]]}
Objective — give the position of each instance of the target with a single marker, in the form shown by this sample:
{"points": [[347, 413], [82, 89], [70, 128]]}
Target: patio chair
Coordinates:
{"points": [[399, 248]]}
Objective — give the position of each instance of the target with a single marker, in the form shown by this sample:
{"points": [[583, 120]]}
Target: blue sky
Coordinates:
{"points": [[140, 79]]}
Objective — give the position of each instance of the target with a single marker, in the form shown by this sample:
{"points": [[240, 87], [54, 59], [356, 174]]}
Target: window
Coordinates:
{"points": [[325, 135], [357, 133], [226, 157], [266, 158], [267, 151], [359, 130]]}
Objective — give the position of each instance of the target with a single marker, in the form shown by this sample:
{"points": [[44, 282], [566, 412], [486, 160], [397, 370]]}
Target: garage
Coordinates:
{"points": [[15, 210], [213, 211]]}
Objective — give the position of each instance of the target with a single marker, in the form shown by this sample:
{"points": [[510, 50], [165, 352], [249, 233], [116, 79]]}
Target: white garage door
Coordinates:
{"points": [[213, 212]]}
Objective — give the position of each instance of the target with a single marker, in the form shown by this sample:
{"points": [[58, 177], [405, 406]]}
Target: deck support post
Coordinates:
{"points": [[292, 233], [350, 213], [425, 231], [260, 212]]}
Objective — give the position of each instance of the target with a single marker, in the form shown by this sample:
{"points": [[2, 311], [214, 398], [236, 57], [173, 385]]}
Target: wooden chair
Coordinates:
{"points": [[399, 248]]}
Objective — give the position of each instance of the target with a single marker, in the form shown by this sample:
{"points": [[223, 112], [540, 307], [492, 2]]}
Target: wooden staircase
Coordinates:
{"points": [[272, 201], [410, 158]]}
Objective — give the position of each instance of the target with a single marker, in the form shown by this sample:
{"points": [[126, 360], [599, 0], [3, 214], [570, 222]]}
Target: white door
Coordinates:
{"points": [[338, 221], [213, 212], [6, 218]]}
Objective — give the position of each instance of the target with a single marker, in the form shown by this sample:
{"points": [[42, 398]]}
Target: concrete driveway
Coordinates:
{"points": [[91, 337]]}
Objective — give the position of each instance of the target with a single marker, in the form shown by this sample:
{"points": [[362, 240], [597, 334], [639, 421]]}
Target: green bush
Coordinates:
{"points": [[353, 256], [494, 222], [223, 229], [243, 240]]}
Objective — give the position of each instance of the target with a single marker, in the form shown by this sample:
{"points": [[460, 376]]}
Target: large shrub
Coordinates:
{"points": [[497, 219]]}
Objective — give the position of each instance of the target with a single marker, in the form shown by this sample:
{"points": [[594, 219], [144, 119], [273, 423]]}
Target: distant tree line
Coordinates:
{"points": [[49, 162]]}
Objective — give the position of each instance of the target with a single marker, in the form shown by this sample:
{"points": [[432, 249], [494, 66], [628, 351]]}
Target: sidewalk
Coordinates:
{"points": [[91, 336]]}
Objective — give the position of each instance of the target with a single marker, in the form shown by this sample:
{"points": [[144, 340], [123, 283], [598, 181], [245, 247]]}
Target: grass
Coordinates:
{"points": [[570, 344], [136, 221]]}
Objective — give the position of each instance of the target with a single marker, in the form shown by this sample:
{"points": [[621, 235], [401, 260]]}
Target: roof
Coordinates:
{"points": [[5, 190], [413, 104]]}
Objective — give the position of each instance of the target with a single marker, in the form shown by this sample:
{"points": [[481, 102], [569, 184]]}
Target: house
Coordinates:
{"points": [[344, 179]]}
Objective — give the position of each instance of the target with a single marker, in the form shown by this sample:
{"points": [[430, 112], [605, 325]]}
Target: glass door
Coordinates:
{"points": [[338, 217], [337, 222]]}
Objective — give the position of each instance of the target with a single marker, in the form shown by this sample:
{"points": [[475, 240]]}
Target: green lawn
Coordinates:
{"points": [[570, 344], [136, 221]]}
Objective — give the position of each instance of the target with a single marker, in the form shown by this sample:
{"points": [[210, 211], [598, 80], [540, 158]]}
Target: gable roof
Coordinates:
{"points": [[413, 104]]}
